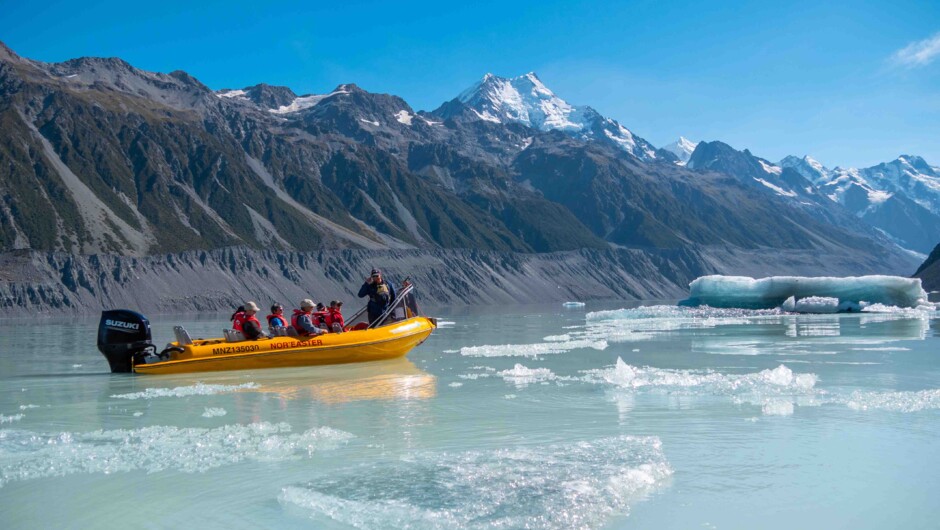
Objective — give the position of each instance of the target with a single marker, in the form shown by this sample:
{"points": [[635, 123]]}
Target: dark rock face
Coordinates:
{"points": [[221, 279], [929, 271]]}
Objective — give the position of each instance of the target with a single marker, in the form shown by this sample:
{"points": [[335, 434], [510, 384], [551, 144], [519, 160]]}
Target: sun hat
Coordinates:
{"points": [[251, 306], [305, 303]]}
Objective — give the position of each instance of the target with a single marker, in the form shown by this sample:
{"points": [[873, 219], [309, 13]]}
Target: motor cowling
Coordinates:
{"points": [[124, 338]]}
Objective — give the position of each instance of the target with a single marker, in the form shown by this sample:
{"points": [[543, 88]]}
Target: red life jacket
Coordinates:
{"points": [[335, 317], [281, 317], [294, 321], [238, 321], [251, 318], [319, 319]]}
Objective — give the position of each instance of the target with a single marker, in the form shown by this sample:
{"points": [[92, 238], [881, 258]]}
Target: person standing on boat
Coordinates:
{"points": [[251, 327], [303, 319], [381, 294]]}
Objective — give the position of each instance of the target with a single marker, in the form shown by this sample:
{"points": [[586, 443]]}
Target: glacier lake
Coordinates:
{"points": [[612, 415]]}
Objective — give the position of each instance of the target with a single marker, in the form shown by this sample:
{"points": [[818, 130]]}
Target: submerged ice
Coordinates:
{"points": [[567, 485], [822, 294], [26, 455]]}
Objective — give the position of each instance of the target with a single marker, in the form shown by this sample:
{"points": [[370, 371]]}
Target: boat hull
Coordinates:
{"points": [[387, 342]]}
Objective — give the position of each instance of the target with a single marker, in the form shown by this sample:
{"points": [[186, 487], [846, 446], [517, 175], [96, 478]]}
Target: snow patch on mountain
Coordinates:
{"points": [[240, 94], [404, 117], [777, 189], [770, 168], [305, 102]]}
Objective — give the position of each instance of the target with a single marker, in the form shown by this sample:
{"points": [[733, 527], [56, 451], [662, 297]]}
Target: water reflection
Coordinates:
{"points": [[810, 334], [398, 380]]}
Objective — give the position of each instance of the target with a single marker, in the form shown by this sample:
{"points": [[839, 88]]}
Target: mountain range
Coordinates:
{"points": [[100, 158]]}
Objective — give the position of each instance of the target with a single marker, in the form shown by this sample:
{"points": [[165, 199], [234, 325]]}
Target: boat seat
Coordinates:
{"points": [[279, 331], [182, 336], [233, 336]]}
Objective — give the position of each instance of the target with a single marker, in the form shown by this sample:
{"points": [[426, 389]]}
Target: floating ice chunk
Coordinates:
{"points": [[27, 407], [456, 384], [821, 305], [530, 350], [569, 485], [892, 401], [30, 455], [573, 304], [138, 414], [778, 407], [11, 418], [557, 338], [199, 389], [522, 376], [765, 293], [214, 412], [445, 323]]}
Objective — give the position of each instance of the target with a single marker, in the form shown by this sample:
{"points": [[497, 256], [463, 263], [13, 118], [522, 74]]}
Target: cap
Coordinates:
{"points": [[376, 271], [305, 303], [251, 306]]}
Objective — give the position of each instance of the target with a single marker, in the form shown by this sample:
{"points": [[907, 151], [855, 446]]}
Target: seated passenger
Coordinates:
{"points": [[303, 320], [251, 327], [334, 317], [238, 318], [277, 319], [319, 317]]}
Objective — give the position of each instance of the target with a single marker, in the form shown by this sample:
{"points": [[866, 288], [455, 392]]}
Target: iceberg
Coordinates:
{"points": [[796, 293]]}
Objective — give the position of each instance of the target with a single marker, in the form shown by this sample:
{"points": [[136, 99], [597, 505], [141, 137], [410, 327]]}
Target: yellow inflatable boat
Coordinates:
{"points": [[124, 338]]}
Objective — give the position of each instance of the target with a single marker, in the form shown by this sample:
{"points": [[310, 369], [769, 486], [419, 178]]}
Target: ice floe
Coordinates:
{"points": [[531, 350], [824, 294], [568, 485], [199, 389], [573, 304], [780, 380], [30, 455], [214, 412]]}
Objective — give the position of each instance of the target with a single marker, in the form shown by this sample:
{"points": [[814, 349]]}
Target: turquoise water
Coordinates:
{"points": [[606, 416]]}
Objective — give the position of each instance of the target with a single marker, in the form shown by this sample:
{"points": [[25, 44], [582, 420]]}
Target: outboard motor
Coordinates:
{"points": [[124, 338]]}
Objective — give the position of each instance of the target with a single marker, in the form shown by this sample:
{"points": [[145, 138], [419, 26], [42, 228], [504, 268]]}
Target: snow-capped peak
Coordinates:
{"points": [[525, 99], [682, 148]]}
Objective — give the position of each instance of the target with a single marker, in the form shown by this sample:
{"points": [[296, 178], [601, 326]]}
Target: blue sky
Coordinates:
{"points": [[799, 77]]}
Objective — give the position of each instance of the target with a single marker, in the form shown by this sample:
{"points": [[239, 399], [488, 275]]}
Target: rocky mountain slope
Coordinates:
{"points": [[929, 271], [100, 160], [900, 198]]}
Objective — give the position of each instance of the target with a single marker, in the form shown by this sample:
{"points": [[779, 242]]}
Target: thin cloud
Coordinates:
{"points": [[920, 53]]}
